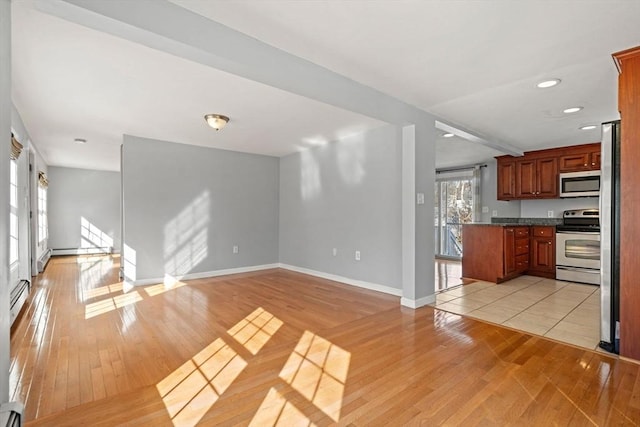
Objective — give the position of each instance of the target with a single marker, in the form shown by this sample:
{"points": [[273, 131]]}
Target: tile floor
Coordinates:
{"points": [[568, 312]]}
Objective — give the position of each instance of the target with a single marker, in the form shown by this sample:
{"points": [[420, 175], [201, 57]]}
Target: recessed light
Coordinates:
{"points": [[572, 110], [548, 83], [447, 135], [588, 127], [80, 141]]}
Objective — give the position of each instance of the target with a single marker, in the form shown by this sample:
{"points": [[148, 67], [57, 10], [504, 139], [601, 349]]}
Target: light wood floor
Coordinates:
{"points": [[281, 347]]}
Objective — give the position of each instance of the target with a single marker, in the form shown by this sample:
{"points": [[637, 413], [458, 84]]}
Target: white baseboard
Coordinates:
{"points": [[206, 274], [359, 283], [417, 303], [82, 251]]}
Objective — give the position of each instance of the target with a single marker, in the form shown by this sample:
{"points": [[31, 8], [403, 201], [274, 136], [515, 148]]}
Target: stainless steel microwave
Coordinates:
{"points": [[580, 184]]}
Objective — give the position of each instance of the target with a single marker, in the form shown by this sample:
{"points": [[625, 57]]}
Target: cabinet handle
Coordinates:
{"points": [[585, 164], [593, 163]]}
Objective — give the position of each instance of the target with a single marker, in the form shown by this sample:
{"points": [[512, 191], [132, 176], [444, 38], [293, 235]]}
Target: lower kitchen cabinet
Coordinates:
{"points": [[495, 253], [543, 252]]}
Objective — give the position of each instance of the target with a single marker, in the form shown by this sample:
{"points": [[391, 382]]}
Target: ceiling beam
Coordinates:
{"points": [[503, 147]]}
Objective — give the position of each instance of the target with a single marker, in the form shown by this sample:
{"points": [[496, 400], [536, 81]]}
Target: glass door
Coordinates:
{"points": [[454, 206]]}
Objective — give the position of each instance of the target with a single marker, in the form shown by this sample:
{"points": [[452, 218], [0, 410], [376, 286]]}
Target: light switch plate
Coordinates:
{"points": [[485, 209], [420, 198]]}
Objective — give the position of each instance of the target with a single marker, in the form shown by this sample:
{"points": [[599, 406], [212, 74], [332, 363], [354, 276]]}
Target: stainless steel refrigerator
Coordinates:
{"points": [[610, 237]]}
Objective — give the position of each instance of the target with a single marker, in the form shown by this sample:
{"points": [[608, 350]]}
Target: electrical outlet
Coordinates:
{"points": [[549, 214], [494, 213], [235, 249], [420, 198], [357, 255], [335, 251]]}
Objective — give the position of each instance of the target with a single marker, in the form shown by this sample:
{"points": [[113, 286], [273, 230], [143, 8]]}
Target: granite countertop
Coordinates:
{"points": [[512, 222]]}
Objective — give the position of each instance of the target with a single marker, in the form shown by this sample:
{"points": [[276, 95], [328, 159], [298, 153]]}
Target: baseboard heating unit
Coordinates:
{"points": [[19, 296], [44, 259], [11, 414]]}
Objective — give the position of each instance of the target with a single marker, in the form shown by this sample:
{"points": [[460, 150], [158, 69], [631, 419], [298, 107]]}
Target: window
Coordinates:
{"points": [[13, 218], [43, 229]]}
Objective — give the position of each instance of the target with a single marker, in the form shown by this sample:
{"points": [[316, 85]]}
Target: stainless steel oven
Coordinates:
{"points": [[578, 247]]}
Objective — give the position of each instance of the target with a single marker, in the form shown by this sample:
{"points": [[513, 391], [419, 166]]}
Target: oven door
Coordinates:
{"points": [[578, 249]]}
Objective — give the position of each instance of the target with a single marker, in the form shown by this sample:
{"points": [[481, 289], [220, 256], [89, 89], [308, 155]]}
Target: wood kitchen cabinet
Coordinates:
{"points": [[537, 178], [506, 179], [578, 159], [495, 253], [535, 175], [543, 252]]}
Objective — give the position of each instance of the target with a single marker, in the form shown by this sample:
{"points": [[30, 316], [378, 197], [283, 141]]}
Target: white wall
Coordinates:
{"points": [[345, 195], [84, 209], [5, 129], [185, 207]]}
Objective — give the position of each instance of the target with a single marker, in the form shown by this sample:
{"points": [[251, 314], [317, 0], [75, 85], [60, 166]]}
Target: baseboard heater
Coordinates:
{"points": [[19, 296], [44, 259], [11, 414], [83, 251]]}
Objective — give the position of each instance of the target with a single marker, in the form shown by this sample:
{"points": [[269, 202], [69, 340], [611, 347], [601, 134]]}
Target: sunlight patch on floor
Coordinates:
{"points": [[318, 369], [255, 330]]}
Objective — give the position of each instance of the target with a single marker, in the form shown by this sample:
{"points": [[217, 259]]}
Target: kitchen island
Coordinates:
{"points": [[496, 252]]}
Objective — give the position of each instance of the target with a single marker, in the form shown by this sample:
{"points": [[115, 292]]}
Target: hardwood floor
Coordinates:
{"points": [[278, 347]]}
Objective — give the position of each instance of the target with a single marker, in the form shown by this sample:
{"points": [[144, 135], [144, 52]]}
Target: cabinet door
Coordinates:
{"points": [[574, 162], [542, 254], [509, 251], [547, 178], [526, 179], [506, 180], [595, 160]]}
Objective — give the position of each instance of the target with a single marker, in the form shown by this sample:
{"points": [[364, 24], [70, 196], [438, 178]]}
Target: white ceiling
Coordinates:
{"points": [[471, 63]]}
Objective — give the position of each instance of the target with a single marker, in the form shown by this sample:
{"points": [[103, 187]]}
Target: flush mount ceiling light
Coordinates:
{"points": [[216, 121], [80, 141], [548, 83], [588, 127], [572, 110], [447, 135]]}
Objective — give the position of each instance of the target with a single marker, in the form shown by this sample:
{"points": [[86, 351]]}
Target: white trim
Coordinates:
{"points": [[206, 274], [353, 282], [417, 303], [82, 251]]}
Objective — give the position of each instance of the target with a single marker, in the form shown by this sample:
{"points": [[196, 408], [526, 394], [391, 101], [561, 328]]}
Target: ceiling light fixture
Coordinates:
{"points": [[572, 110], [588, 127], [80, 141], [548, 83], [447, 135], [216, 121]]}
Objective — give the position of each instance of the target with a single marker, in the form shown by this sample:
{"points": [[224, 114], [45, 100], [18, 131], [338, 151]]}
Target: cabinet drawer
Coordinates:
{"points": [[522, 246], [543, 231], [522, 232], [522, 262]]}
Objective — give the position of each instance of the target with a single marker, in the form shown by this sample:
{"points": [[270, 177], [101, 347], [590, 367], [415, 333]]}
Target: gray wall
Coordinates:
{"points": [[510, 209], [75, 194], [185, 207], [5, 129], [345, 195]]}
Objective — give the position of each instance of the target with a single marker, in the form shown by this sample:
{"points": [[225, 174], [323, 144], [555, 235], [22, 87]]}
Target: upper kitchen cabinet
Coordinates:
{"points": [[580, 158], [506, 179], [537, 178], [535, 175]]}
